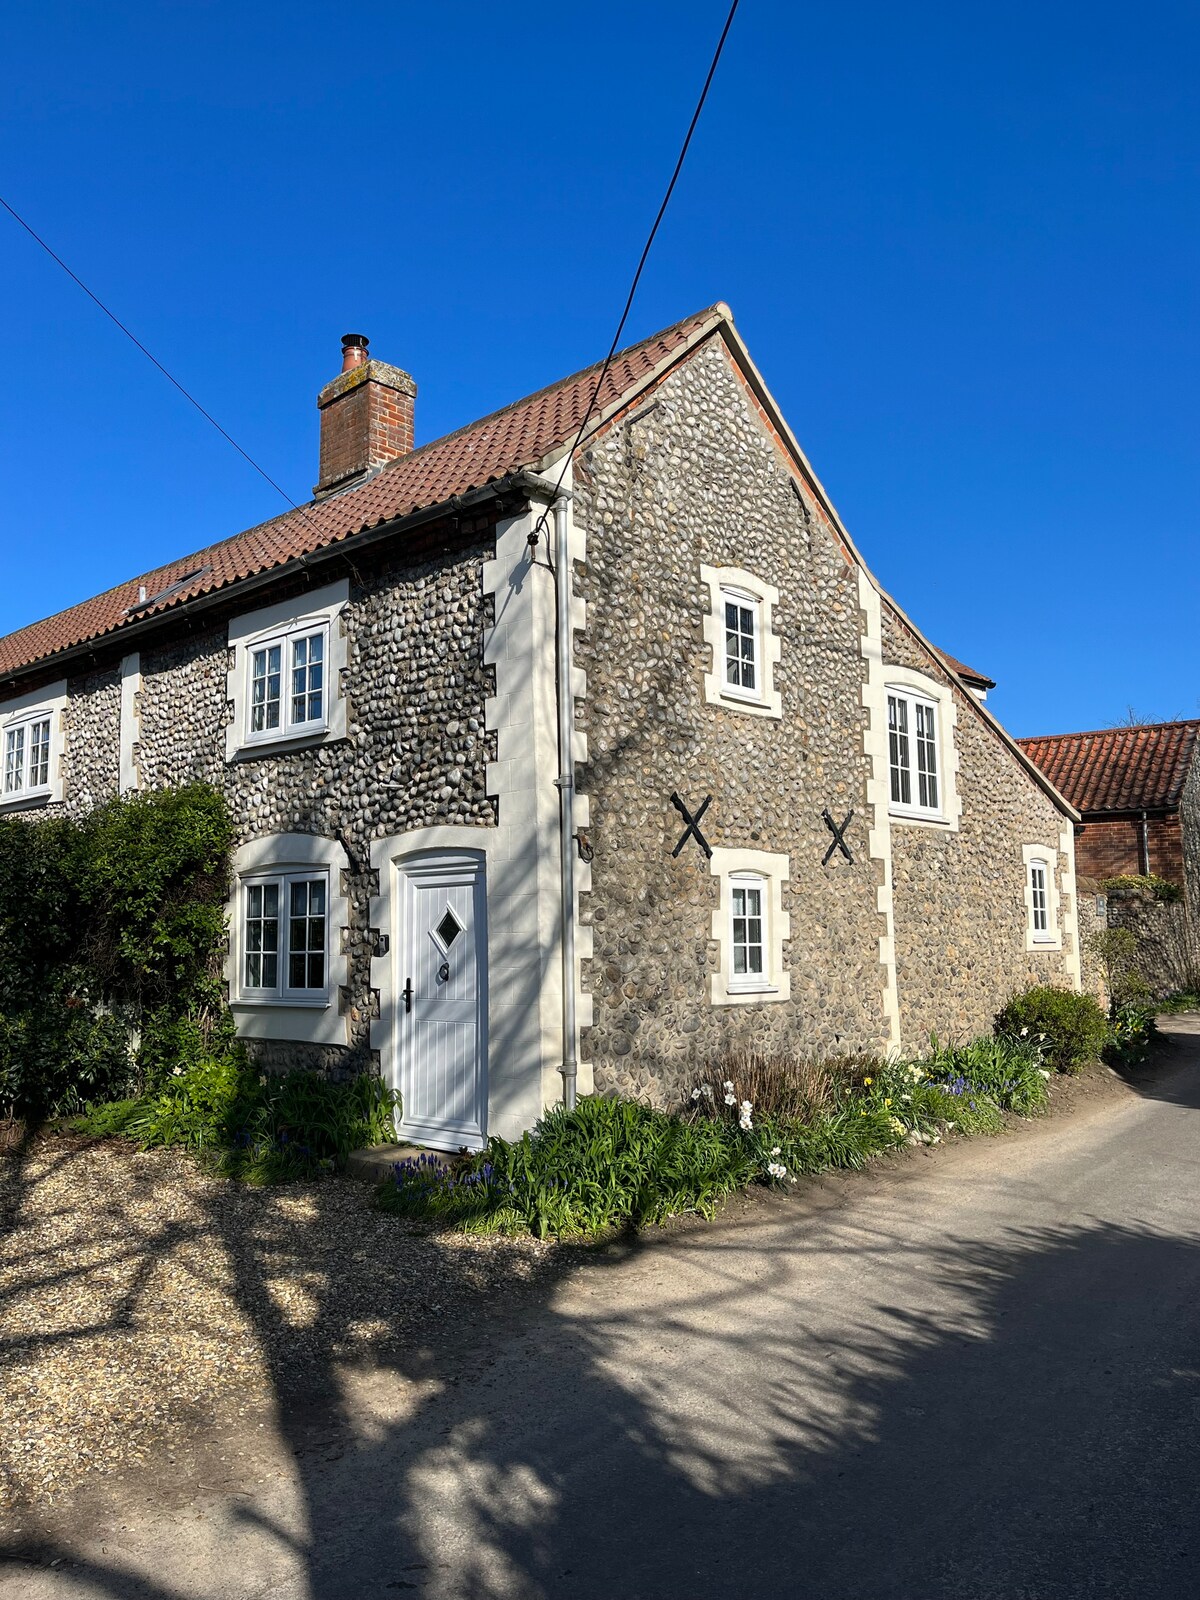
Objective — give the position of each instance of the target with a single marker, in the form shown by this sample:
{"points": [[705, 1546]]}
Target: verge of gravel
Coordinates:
{"points": [[138, 1293]]}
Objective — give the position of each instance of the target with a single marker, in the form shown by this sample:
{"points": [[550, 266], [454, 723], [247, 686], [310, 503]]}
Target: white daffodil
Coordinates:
{"points": [[776, 1171]]}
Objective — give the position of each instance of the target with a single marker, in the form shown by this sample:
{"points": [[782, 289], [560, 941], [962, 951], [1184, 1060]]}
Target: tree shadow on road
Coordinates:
{"points": [[818, 1409]]}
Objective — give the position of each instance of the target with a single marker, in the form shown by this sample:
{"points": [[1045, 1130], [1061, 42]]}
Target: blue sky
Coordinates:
{"points": [[961, 244]]}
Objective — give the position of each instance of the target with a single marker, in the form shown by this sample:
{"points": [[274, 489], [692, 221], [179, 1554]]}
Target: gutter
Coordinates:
{"points": [[518, 482]]}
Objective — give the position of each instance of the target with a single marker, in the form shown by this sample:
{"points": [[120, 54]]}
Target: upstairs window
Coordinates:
{"points": [[30, 748], [742, 674], [284, 937], [287, 667], [294, 705], [739, 631], [913, 756]]}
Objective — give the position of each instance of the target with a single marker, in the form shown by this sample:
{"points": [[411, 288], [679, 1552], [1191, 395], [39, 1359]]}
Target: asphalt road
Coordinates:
{"points": [[972, 1375]]}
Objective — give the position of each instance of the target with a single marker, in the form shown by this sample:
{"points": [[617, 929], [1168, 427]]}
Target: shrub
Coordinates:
{"points": [[112, 929], [1071, 1028], [1143, 883], [265, 1127]]}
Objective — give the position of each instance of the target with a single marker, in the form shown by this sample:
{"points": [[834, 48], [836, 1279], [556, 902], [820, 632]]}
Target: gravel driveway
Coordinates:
{"points": [[140, 1299]]}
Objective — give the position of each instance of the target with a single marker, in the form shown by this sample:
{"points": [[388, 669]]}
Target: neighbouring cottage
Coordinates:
{"points": [[1137, 791], [560, 768]]}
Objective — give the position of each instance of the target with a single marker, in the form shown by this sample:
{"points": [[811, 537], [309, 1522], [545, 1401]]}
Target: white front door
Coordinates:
{"points": [[441, 1017]]}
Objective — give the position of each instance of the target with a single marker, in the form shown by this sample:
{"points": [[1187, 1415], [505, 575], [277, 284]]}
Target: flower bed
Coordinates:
{"points": [[618, 1162]]}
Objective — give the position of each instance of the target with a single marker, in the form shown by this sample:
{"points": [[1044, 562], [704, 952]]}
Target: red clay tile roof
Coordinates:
{"points": [[968, 674], [1118, 769], [520, 435]]}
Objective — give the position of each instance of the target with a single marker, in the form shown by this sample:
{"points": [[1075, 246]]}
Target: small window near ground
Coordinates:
{"points": [[913, 755], [284, 941], [750, 927], [1039, 899], [747, 911]]}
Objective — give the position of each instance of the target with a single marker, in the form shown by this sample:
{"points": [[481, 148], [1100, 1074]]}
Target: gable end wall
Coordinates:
{"points": [[959, 895]]}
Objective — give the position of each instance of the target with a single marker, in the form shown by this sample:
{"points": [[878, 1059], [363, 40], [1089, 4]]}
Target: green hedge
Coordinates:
{"points": [[112, 929]]}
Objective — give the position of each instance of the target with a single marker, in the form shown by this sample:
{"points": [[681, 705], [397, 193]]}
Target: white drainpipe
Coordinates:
{"points": [[566, 785]]}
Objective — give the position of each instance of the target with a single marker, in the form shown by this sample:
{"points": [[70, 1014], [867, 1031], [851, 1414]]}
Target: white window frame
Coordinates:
{"points": [[282, 1012], [284, 627], [282, 992], [735, 586], [18, 721], [1045, 857], [765, 871], [935, 699]]}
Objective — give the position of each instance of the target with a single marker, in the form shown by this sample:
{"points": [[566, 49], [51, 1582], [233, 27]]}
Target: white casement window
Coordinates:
{"points": [[27, 757], [747, 931], [30, 748], [914, 753], [1039, 899], [1042, 922], [750, 927], [285, 674], [287, 684], [745, 650], [287, 967], [285, 938], [743, 647]]}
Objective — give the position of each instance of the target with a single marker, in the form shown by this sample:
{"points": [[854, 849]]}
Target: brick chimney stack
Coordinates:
{"points": [[366, 416]]}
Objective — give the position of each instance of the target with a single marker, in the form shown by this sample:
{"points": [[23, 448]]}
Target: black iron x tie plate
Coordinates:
{"points": [[692, 831]]}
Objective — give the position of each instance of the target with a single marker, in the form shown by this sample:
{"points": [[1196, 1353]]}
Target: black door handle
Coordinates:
{"points": [[408, 995]]}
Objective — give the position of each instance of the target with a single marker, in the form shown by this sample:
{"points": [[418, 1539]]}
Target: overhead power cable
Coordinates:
{"points": [[637, 276], [170, 377]]}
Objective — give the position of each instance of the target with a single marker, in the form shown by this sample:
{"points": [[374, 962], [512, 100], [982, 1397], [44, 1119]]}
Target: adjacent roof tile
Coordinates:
{"points": [[968, 674], [519, 435], [1118, 769]]}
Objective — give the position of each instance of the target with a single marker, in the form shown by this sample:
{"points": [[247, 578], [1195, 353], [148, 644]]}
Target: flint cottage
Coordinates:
{"points": [[567, 752]]}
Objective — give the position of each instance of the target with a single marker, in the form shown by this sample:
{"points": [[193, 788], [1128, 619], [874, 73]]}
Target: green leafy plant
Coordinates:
{"points": [[1132, 1031], [1071, 1028], [762, 1120], [1143, 883], [264, 1127], [112, 929], [1181, 1000]]}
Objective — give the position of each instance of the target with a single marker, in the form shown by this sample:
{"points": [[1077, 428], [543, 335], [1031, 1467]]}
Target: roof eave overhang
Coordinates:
{"points": [[522, 483]]}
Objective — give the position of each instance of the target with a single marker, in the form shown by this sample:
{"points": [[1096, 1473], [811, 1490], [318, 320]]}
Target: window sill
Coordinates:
{"points": [[748, 703], [28, 801], [935, 819], [752, 989], [253, 749], [271, 1002]]}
